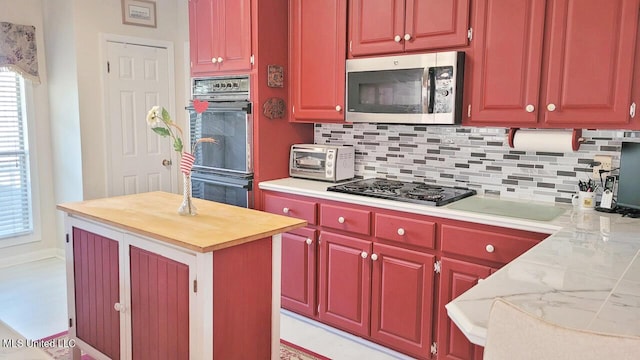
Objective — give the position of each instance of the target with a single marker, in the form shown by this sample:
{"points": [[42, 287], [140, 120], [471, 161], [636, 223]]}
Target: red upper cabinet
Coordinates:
{"points": [[395, 26], [317, 51], [590, 61], [506, 61], [562, 63], [219, 36]]}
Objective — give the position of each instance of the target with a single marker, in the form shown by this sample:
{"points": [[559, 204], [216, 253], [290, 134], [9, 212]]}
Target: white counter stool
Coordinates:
{"points": [[513, 334]]}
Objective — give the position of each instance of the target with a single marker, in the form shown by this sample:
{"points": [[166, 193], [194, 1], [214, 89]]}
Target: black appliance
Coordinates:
{"points": [[628, 199], [223, 171], [413, 192]]}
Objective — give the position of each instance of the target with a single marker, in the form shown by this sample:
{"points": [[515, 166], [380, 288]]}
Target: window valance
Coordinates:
{"points": [[18, 50]]}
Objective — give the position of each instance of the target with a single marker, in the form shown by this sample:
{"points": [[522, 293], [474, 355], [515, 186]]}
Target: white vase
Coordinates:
{"points": [[187, 207]]}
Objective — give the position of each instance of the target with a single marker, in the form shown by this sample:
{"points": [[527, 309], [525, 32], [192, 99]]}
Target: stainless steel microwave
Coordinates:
{"points": [[406, 89]]}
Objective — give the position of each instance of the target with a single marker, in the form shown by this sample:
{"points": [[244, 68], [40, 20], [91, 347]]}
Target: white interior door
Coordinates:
{"points": [[137, 79]]}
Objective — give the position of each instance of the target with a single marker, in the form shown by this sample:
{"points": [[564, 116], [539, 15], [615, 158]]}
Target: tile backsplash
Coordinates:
{"points": [[478, 158]]}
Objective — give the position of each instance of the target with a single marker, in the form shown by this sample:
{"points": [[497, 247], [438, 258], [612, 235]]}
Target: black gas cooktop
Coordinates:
{"points": [[413, 192]]}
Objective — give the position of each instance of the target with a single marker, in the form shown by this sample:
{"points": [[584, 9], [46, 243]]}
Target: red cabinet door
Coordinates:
{"points": [[219, 36], [591, 52], [506, 62], [159, 306], [374, 25], [345, 282], [395, 26], [434, 24], [298, 288], [317, 59], [402, 299], [456, 277], [96, 283]]}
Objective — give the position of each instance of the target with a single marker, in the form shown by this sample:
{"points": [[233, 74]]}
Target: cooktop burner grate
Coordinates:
{"points": [[419, 193]]}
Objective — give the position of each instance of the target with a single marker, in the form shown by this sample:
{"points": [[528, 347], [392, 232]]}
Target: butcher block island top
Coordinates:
{"points": [[154, 214]]}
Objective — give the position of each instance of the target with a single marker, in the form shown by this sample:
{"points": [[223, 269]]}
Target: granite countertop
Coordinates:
{"points": [[154, 214], [585, 275]]}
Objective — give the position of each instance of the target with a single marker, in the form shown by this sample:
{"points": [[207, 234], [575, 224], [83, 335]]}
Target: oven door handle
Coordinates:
{"points": [[246, 186], [218, 106]]}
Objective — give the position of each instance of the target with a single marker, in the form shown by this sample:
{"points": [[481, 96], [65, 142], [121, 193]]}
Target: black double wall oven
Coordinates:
{"points": [[223, 171]]}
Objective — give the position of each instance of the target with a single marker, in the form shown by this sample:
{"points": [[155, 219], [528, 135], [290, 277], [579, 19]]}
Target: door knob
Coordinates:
{"points": [[214, 60], [338, 108], [364, 254], [309, 241], [397, 38], [530, 108], [341, 220], [374, 257], [400, 231], [551, 107], [407, 37], [166, 162], [220, 60]]}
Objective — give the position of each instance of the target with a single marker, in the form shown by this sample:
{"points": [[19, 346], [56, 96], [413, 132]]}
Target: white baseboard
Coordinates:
{"points": [[32, 256], [391, 353]]}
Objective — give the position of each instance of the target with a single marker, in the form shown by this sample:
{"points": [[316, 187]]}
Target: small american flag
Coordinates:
{"points": [[186, 163]]}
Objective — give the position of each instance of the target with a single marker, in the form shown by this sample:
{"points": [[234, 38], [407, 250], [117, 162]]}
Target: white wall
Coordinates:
{"points": [[70, 133], [93, 17], [29, 12]]}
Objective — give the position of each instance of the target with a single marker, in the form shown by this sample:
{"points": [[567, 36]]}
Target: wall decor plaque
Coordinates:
{"points": [[274, 108], [275, 76]]}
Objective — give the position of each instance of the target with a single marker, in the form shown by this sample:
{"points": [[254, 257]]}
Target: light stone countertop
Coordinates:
{"points": [[585, 275]]}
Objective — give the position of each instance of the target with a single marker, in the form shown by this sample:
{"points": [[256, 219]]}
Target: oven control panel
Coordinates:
{"points": [[220, 88]]}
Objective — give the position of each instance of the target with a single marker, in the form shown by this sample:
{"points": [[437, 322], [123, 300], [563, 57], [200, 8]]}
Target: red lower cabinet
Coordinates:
{"points": [[298, 291], [345, 282], [457, 277], [402, 299], [159, 306], [97, 276]]}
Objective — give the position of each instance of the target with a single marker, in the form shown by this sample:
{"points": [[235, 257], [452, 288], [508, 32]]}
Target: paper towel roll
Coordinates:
{"points": [[545, 140]]}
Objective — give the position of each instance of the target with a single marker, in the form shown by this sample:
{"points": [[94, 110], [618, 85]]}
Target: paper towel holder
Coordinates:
{"points": [[576, 138]]}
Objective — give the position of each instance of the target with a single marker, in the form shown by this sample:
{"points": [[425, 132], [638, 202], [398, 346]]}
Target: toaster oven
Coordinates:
{"points": [[322, 162]]}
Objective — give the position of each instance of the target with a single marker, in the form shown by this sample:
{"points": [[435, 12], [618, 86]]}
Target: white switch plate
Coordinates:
{"points": [[605, 164]]}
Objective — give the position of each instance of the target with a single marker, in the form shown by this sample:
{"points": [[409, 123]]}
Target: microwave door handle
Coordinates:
{"points": [[432, 90]]}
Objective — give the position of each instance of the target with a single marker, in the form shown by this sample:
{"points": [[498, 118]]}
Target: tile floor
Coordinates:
{"points": [[33, 301]]}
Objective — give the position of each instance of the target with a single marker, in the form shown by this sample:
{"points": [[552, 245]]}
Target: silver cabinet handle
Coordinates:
{"points": [[400, 231], [407, 37], [551, 107], [285, 210], [309, 241], [374, 257], [220, 60], [530, 108], [490, 248], [364, 254], [338, 108], [397, 38], [214, 60], [341, 220]]}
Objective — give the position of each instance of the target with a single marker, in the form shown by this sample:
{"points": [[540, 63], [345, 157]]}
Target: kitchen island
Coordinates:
{"points": [[146, 283], [585, 275]]}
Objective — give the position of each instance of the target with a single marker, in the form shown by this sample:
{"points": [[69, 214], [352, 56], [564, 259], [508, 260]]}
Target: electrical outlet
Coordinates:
{"points": [[605, 164]]}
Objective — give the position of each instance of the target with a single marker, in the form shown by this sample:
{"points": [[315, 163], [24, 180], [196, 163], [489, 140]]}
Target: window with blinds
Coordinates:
{"points": [[15, 188]]}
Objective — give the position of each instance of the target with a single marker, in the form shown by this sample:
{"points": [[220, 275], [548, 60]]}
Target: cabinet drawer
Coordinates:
{"points": [[500, 247], [347, 219], [407, 231], [301, 209]]}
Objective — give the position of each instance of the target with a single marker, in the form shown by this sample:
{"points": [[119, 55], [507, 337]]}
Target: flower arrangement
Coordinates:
{"points": [[160, 122]]}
